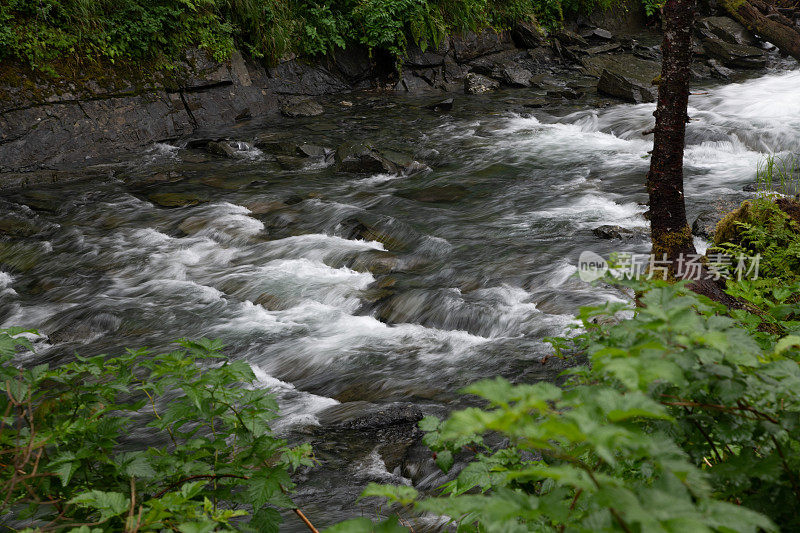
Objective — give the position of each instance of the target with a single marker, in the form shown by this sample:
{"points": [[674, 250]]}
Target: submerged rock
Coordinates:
{"points": [[612, 231], [221, 148], [301, 108], [17, 226], [177, 199], [436, 194], [444, 105]]}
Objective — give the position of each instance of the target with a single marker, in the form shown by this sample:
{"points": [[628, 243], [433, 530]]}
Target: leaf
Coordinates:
{"points": [[790, 341], [444, 460], [109, 504], [266, 520], [401, 494]]}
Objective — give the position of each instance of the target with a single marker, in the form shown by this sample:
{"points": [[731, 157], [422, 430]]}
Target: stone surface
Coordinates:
{"points": [[735, 55], [301, 108], [528, 35], [516, 77], [728, 30], [478, 84], [624, 76], [610, 231]]}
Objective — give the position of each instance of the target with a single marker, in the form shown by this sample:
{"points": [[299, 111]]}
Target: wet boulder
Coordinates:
{"points": [[364, 416], [705, 225], [86, 327], [735, 55], [363, 158], [221, 148], [728, 30], [611, 231], [479, 84], [569, 38], [443, 106], [625, 76], [301, 108], [471, 45], [516, 77], [598, 33], [528, 35], [392, 234]]}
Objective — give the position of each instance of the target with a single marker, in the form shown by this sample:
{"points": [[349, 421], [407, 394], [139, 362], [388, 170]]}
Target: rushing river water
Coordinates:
{"points": [[460, 289]]}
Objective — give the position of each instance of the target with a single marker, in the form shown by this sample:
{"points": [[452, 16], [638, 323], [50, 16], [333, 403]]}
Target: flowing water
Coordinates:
{"points": [[437, 295]]}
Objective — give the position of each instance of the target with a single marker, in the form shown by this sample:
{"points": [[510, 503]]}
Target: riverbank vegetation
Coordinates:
{"points": [[41, 34], [203, 459]]}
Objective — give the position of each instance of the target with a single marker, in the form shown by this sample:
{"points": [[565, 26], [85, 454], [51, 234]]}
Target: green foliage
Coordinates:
{"points": [[45, 33], [682, 419], [207, 457], [761, 227]]}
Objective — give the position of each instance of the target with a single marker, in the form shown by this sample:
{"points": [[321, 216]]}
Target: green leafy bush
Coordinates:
{"points": [[681, 419], [47, 33], [206, 459]]}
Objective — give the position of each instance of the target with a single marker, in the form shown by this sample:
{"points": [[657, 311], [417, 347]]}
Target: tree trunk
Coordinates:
{"points": [[669, 229], [766, 21]]}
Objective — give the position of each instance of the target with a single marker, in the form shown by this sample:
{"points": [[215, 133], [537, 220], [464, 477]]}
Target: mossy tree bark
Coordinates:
{"points": [[763, 19], [669, 229]]}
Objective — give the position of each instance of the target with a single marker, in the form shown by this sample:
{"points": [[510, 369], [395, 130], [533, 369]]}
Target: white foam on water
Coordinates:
{"points": [[377, 179], [592, 209], [6, 279], [372, 467], [297, 408]]}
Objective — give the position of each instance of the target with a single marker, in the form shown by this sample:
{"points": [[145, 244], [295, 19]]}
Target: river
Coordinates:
{"points": [[463, 288]]}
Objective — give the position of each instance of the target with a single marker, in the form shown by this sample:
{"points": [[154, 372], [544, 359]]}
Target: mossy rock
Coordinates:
{"points": [[728, 228]]}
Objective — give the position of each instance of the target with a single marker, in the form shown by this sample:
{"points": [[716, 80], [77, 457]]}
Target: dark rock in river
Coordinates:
{"points": [[705, 225], [362, 158], [627, 88], [609, 231], [444, 105], [301, 108], [477, 84], [395, 236], [221, 148], [516, 77], [364, 416], [177, 199], [735, 55]]}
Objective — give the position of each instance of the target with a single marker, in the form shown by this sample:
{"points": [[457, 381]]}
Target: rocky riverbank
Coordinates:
{"points": [[53, 131]]}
